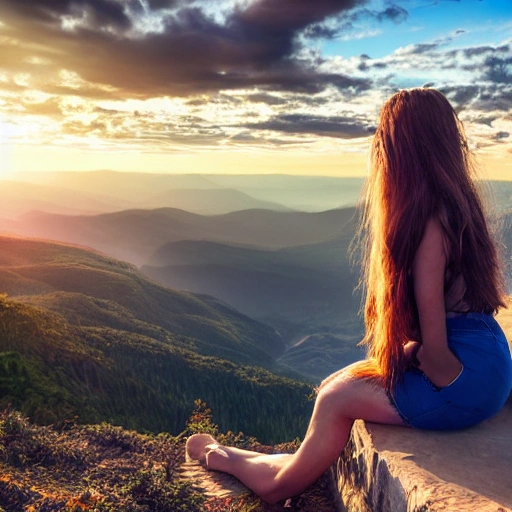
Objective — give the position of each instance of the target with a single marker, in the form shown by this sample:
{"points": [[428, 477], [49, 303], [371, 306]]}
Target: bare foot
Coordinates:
{"points": [[219, 457], [197, 444]]}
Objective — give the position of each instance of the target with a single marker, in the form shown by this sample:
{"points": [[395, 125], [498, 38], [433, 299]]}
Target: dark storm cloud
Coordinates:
{"points": [[104, 12], [161, 4], [289, 16], [255, 46], [335, 126]]}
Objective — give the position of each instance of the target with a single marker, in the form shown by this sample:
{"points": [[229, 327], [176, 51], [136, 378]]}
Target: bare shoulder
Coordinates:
{"points": [[432, 247], [433, 232]]}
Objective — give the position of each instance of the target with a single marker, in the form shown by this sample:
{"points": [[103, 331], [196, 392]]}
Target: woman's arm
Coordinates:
{"points": [[437, 361]]}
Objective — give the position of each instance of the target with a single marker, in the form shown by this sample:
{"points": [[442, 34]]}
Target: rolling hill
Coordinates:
{"points": [[305, 292], [299, 290], [311, 282], [134, 235], [318, 355], [32, 268], [81, 334], [304, 193]]}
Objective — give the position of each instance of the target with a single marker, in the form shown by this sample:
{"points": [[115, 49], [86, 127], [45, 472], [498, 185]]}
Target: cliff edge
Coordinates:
{"points": [[395, 469]]}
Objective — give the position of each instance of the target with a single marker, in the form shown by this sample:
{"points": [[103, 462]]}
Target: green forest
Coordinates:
{"points": [[84, 336]]}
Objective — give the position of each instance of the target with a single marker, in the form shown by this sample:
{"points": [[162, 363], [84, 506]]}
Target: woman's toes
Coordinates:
{"points": [[196, 446]]}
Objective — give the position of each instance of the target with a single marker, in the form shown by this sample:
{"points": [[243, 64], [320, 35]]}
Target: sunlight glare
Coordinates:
{"points": [[5, 169]]}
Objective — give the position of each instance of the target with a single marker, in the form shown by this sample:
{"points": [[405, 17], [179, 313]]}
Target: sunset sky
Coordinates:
{"points": [[286, 86]]}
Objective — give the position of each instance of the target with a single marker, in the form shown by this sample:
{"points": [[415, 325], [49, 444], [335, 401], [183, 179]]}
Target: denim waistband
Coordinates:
{"points": [[473, 321]]}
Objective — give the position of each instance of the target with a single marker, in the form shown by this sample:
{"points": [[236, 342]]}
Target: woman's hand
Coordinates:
{"points": [[411, 350], [442, 369]]}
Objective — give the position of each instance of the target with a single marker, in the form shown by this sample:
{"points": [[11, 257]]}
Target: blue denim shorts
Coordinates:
{"points": [[478, 393]]}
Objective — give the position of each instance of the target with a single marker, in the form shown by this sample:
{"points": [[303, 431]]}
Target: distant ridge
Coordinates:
{"points": [[21, 197], [134, 235], [210, 202], [304, 193]]}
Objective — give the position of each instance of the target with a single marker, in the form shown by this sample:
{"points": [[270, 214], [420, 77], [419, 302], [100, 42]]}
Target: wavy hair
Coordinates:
{"points": [[420, 168]]}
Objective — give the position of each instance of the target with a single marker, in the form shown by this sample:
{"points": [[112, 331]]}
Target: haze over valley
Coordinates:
{"points": [[286, 268]]}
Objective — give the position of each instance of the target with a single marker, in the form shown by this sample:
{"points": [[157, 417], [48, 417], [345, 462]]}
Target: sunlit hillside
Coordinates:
{"points": [[86, 335]]}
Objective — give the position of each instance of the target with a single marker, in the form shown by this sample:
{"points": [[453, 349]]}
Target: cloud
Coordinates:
{"points": [[461, 95], [161, 4], [332, 126], [393, 13], [101, 13], [113, 126], [501, 135], [287, 17], [50, 108], [417, 49], [254, 46], [268, 99], [346, 26], [236, 65], [498, 69]]}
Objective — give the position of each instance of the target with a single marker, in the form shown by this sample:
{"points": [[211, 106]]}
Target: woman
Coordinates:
{"points": [[437, 359]]}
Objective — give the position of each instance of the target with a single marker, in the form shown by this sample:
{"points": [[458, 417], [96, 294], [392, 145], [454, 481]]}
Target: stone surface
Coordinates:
{"points": [[398, 469]]}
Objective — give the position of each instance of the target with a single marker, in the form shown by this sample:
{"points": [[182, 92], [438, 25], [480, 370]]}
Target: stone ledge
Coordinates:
{"points": [[397, 469]]}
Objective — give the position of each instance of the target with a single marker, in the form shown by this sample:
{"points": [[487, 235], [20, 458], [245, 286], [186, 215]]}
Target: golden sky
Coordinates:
{"points": [[253, 86]]}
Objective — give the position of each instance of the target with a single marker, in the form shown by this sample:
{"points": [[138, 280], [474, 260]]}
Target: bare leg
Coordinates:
{"points": [[198, 445], [340, 401]]}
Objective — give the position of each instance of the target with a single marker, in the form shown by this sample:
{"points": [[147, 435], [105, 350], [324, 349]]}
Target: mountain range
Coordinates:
{"points": [[134, 235], [111, 191], [288, 269], [150, 191]]}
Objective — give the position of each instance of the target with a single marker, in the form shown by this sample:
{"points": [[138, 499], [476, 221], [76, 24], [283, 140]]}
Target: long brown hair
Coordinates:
{"points": [[420, 168]]}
